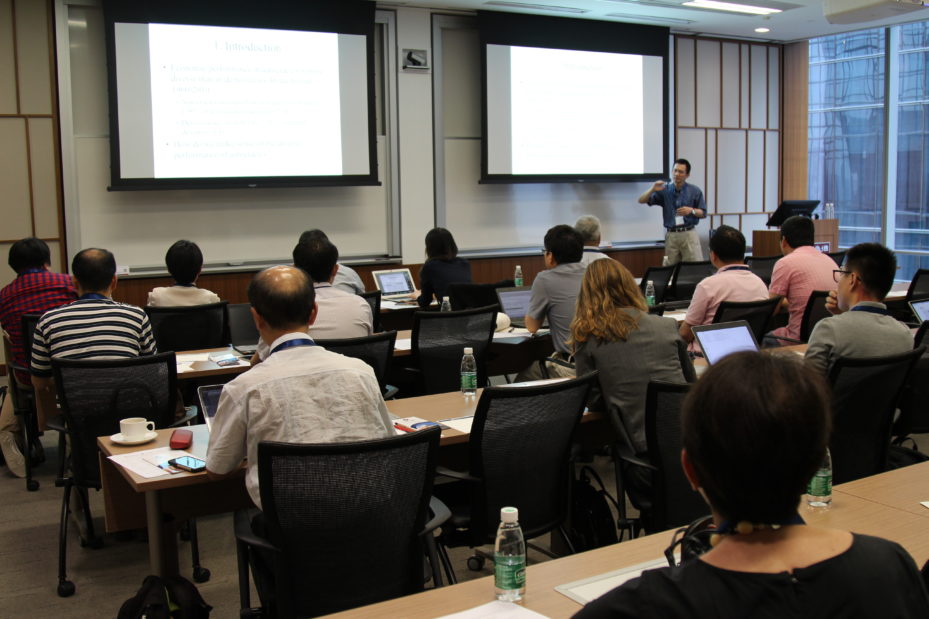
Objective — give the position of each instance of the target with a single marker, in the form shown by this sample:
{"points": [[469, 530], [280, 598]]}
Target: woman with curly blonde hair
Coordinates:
{"points": [[613, 332]]}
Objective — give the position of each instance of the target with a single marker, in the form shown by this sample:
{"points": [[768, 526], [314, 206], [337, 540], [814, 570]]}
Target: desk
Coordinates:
{"points": [[901, 489], [897, 292]]}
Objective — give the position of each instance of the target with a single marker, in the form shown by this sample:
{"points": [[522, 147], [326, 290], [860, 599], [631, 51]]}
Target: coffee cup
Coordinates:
{"points": [[133, 428]]}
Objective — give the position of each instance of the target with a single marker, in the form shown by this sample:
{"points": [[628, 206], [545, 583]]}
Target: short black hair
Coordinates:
{"points": [[283, 296], [29, 253], [875, 266], [94, 269], [755, 428], [684, 163], [797, 231], [564, 243], [184, 260], [317, 256], [315, 233], [440, 245], [728, 244]]}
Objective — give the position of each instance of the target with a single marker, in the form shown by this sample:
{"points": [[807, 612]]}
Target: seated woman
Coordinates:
{"points": [[442, 267], [613, 332], [184, 260], [755, 430]]}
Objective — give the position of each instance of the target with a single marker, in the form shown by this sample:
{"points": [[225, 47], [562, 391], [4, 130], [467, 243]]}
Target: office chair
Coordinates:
{"points": [[914, 398], [376, 350], [438, 343], [660, 278], [518, 455], [814, 311], [762, 266], [837, 256], [23, 398], [468, 296], [342, 524], [94, 395], [190, 328], [242, 327], [374, 300], [864, 398], [758, 314], [686, 277]]}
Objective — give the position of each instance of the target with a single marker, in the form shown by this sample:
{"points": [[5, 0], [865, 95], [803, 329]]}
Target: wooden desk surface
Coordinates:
{"points": [[901, 489]]}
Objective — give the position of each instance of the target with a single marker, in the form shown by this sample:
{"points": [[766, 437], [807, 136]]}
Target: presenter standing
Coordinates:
{"points": [[683, 207]]}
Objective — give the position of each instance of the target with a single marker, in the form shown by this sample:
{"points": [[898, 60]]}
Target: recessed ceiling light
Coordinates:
{"points": [[762, 30], [731, 6]]}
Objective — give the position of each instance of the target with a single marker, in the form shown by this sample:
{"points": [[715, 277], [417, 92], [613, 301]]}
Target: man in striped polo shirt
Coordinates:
{"points": [[93, 327]]}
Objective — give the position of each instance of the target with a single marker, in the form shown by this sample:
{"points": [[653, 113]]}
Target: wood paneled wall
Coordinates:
{"points": [[795, 185]]}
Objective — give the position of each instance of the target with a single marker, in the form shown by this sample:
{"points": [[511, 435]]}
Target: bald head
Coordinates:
{"points": [[93, 269], [283, 296]]}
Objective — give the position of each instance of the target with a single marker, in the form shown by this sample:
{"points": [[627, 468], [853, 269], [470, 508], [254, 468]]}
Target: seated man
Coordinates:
{"points": [[861, 326], [340, 314], [34, 291], [93, 327], [554, 295], [588, 227], [802, 270], [184, 261], [345, 278], [301, 393], [733, 281]]}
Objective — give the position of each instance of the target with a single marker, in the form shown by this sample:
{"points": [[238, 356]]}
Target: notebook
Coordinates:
{"points": [[515, 303], [920, 309], [717, 341], [209, 400], [394, 284]]}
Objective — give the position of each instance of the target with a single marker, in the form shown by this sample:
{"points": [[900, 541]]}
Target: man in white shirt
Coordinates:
{"points": [[588, 226], [301, 393], [340, 314]]}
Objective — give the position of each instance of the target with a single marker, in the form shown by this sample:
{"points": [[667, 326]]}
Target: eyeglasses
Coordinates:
{"points": [[838, 273]]}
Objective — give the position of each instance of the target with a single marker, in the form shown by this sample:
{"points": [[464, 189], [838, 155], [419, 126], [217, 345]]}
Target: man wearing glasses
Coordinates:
{"points": [[860, 325]]}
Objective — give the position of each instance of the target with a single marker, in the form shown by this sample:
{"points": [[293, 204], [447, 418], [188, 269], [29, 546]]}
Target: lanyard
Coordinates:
{"points": [[24, 271], [870, 308], [292, 344], [738, 268], [93, 295]]}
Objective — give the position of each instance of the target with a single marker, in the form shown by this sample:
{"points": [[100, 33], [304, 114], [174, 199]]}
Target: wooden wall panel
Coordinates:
{"points": [[461, 96], [691, 145], [7, 60], [745, 82], [774, 92], [772, 165], [44, 173], [755, 172], [759, 87], [33, 57], [711, 183], [731, 91], [684, 89], [795, 118], [708, 62], [732, 159], [15, 211]]}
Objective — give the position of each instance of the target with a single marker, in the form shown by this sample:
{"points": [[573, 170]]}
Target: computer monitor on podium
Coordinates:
{"points": [[789, 208]]}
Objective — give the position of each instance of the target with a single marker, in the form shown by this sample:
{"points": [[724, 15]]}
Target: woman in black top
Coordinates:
{"points": [[443, 267], [755, 429]]}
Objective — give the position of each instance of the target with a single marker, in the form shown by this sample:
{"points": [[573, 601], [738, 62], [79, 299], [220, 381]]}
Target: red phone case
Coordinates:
{"points": [[181, 439]]}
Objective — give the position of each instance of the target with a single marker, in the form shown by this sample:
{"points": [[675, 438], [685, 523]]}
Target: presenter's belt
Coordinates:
{"points": [[680, 228]]}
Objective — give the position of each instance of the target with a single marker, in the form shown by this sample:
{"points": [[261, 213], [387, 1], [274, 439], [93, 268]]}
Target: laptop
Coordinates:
{"points": [[722, 339], [394, 284], [920, 309], [209, 400], [515, 303]]}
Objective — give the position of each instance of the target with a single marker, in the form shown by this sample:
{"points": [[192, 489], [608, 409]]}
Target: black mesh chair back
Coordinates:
{"points": [[837, 256], [190, 328], [468, 296], [346, 517], [660, 278], [28, 323], [762, 266], [758, 314], [439, 339], [242, 329], [686, 277], [374, 300], [95, 394], [914, 399], [674, 502], [376, 350], [864, 398], [919, 285], [814, 312], [519, 448]]}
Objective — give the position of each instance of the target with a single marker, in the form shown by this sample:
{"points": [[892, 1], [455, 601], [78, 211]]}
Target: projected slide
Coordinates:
{"points": [[571, 112], [215, 102]]}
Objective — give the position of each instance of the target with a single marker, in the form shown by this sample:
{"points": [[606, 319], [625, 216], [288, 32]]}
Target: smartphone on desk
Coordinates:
{"points": [[189, 464]]}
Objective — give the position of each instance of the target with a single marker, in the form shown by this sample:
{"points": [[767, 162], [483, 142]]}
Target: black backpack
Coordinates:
{"points": [[157, 597], [592, 523]]}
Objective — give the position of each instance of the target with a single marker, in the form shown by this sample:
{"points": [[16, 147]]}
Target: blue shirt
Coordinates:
{"points": [[671, 199]]}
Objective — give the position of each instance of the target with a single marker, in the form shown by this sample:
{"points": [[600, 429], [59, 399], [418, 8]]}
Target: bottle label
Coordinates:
{"points": [[820, 485], [468, 381], [517, 281], [509, 572], [650, 300]]}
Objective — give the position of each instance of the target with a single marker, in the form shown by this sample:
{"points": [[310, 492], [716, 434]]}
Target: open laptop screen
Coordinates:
{"points": [[515, 301], [394, 282], [920, 307], [724, 338], [209, 400]]}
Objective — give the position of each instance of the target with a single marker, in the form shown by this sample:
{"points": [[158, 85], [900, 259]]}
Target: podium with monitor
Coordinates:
{"points": [[768, 242]]}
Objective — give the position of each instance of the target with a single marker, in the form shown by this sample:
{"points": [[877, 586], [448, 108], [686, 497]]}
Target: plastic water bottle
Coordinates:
{"points": [[468, 373], [819, 490], [650, 293], [829, 210], [518, 276], [446, 305], [509, 558], [664, 261]]}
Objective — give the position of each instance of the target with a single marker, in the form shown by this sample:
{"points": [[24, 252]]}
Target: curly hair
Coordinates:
{"points": [[608, 287]]}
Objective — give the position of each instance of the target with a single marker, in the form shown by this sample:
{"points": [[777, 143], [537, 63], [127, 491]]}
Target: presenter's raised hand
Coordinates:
{"points": [[658, 186], [832, 302]]}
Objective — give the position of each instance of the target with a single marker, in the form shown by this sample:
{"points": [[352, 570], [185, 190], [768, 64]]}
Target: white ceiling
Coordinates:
{"points": [[801, 19]]}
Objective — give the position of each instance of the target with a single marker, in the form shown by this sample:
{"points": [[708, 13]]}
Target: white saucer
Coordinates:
{"points": [[120, 440]]}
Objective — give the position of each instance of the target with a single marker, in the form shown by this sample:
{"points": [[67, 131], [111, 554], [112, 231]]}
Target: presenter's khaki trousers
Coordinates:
{"points": [[683, 246]]}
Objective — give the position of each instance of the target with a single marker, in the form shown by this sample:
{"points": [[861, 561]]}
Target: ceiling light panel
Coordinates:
{"points": [[731, 7], [537, 7]]}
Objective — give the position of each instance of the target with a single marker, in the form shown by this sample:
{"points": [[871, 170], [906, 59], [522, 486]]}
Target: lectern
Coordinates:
{"points": [[768, 242]]}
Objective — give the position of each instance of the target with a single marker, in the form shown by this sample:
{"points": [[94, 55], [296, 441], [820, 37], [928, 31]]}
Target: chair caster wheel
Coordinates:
{"points": [[475, 563], [201, 574], [65, 588], [32, 485]]}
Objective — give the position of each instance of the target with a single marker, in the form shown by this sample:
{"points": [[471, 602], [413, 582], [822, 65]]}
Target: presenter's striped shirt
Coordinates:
{"points": [[91, 329]]}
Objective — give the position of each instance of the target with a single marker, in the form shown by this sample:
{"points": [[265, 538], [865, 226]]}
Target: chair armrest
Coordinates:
{"points": [[635, 461], [244, 533], [390, 392], [440, 514], [441, 470], [190, 414], [560, 362], [56, 423]]}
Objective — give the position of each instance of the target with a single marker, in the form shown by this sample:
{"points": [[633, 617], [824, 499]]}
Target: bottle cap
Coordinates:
{"points": [[469, 351], [444, 299], [509, 514], [650, 283]]}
